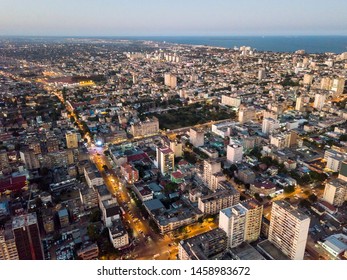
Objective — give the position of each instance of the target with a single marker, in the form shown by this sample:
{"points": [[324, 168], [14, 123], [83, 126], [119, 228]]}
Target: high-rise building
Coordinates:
{"points": [[300, 103], [269, 125], [197, 137], [216, 178], [234, 153], [4, 163], [35, 145], [241, 222], [52, 144], [308, 79], [326, 83], [246, 114], [291, 138], [211, 166], [232, 101], [335, 192], [170, 80], [343, 171], [165, 160], [27, 236], [29, 158], [338, 86], [71, 140], [253, 219], [288, 229], [319, 101], [176, 147], [130, 173], [8, 249], [233, 221], [261, 74]]}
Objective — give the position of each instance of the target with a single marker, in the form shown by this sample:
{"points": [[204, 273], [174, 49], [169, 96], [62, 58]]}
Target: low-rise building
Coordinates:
{"points": [[118, 235], [88, 251], [207, 246]]}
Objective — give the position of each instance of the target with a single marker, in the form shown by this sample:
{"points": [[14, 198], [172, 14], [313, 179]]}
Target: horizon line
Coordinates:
{"points": [[225, 35]]}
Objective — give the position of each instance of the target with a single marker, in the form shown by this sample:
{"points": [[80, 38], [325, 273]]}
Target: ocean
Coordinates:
{"points": [[311, 44]]}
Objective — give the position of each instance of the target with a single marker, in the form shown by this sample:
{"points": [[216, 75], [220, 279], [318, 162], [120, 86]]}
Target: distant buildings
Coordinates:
{"points": [[261, 74], [319, 101], [288, 229], [170, 80]]}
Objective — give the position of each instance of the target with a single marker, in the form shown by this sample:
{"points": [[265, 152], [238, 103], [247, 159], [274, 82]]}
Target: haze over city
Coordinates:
{"points": [[181, 17]]}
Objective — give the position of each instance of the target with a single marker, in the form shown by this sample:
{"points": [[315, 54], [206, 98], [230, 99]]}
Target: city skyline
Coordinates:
{"points": [[160, 18]]}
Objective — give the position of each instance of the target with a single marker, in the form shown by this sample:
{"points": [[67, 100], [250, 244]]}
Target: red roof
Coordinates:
{"points": [[183, 162], [177, 175], [137, 157], [327, 205], [12, 183]]}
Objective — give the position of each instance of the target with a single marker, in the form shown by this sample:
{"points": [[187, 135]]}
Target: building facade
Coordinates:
{"points": [[27, 236], [288, 229]]}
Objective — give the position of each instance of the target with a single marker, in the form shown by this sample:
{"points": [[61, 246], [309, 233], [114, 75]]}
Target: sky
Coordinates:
{"points": [[172, 18]]}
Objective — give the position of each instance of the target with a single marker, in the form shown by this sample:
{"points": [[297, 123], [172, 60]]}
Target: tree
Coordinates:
{"points": [[343, 137], [105, 167], [95, 216], [258, 197], [305, 203], [93, 232], [256, 152], [171, 187], [289, 189], [38, 202], [313, 198]]}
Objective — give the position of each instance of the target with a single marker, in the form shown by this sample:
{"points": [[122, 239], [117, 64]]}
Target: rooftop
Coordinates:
{"points": [[24, 220]]}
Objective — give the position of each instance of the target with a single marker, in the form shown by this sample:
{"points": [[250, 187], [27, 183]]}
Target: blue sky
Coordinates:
{"points": [[175, 17]]}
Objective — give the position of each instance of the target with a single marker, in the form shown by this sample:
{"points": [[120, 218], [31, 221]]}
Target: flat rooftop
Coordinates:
{"points": [[271, 251]]}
